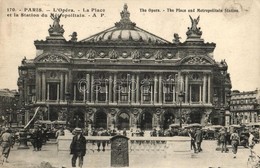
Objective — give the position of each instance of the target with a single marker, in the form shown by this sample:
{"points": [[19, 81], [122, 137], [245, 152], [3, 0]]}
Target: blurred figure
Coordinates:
{"points": [[192, 142], [234, 142], [78, 147], [6, 144], [223, 139], [101, 132], [198, 139]]}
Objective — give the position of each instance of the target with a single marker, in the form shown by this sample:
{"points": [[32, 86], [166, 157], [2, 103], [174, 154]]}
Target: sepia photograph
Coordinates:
{"points": [[156, 84]]}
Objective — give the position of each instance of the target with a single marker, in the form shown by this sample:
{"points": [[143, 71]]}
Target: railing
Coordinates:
{"points": [[136, 144]]}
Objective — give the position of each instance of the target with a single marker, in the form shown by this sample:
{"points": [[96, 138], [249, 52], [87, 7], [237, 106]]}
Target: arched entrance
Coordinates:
{"points": [[101, 120], [146, 121], [195, 116], [168, 119], [123, 121], [77, 119]]}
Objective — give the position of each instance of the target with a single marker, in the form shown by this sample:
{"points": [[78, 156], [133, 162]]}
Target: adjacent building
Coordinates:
{"points": [[244, 107], [125, 77]]}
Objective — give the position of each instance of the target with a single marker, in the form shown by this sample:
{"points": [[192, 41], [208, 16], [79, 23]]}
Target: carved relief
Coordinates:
{"points": [[91, 111], [158, 56], [53, 58], [91, 54], [147, 55], [102, 54], [113, 55], [135, 55], [124, 54], [196, 60], [81, 54]]}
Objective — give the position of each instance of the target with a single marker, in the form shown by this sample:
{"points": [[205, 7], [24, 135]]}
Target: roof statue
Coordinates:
{"points": [[176, 38], [125, 22], [194, 32], [56, 29], [74, 37]]}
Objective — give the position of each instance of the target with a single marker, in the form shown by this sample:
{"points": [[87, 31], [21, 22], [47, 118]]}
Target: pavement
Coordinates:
{"points": [[208, 158]]}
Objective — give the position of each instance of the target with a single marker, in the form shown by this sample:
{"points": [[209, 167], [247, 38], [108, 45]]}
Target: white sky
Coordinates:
{"points": [[237, 36]]}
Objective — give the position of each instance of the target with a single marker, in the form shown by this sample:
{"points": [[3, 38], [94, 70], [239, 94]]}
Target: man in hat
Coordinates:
{"points": [[78, 147], [6, 144]]}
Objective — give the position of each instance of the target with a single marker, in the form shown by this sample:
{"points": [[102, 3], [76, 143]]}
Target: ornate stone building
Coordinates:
{"points": [[125, 77], [245, 107]]}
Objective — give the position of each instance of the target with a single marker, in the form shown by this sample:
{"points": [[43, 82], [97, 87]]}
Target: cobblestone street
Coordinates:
{"points": [[209, 158]]}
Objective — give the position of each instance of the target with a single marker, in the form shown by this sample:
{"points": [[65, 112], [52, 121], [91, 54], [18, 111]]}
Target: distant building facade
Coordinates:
{"points": [[125, 77], [8, 106], [244, 107]]}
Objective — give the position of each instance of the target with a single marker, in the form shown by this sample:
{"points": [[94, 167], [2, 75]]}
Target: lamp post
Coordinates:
{"points": [[181, 96], [67, 95]]}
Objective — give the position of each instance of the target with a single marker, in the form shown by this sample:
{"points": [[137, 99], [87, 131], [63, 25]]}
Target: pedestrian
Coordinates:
{"points": [[234, 142], [124, 132], [251, 140], [198, 139], [223, 139], [191, 133], [38, 139], [6, 143], [78, 147]]}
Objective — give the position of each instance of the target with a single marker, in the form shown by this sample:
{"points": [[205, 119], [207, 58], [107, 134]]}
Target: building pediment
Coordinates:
{"points": [[51, 58], [197, 60]]}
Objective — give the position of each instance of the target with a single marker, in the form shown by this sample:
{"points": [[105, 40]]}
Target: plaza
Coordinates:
{"points": [[208, 158]]}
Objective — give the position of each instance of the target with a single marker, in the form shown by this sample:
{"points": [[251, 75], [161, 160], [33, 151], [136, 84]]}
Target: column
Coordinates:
{"points": [[92, 88], [200, 95], [155, 88], [58, 92], [97, 90], [66, 82], [61, 86], [38, 86], [115, 88], [84, 93], [88, 87], [160, 88], [43, 87], [133, 90], [209, 88], [106, 92], [173, 94], [48, 91], [74, 90], [186, 88], [137, 88], [204, 89], [190, 95], [152, 94], [128, 90], [110, 88]]}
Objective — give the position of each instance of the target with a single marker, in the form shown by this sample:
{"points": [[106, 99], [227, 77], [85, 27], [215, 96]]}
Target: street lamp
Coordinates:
{"points": [[181, 97], [67, 95]]}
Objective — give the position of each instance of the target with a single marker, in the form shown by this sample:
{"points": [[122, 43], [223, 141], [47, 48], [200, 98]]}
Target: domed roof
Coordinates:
{"points": [[125, 31]]}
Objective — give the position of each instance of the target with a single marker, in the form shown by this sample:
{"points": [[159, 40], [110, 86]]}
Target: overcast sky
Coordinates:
{"points": [[237, 35]]}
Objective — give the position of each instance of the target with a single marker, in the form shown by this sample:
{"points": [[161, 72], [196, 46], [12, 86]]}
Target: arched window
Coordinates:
{"points": [[146, 121], [101, 120], [123, 121]]}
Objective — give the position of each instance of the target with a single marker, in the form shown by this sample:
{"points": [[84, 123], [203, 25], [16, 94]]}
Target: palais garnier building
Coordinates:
{"points": [[125, 77]]}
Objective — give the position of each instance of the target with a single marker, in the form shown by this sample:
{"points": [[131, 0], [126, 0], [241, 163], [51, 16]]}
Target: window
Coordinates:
{"points": [[53, 91], [195, 93]]}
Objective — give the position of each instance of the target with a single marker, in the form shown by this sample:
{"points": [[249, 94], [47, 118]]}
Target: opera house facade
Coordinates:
{"points": [[125, 77]]}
